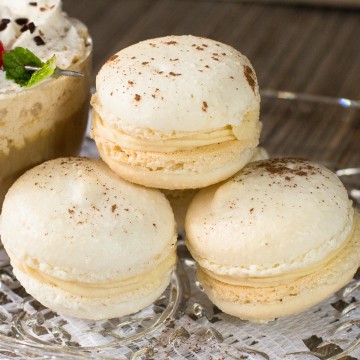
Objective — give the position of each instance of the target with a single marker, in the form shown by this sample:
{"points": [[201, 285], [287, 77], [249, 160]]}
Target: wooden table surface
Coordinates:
{"points": [[306, 49]]}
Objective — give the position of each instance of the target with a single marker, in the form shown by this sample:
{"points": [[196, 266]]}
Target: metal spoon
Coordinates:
{"points": [[57, 72]]}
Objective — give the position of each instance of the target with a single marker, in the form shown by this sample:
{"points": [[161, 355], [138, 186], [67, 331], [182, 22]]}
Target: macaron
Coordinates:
{"points": [[86, 243], [176, 112], [277, 238]]}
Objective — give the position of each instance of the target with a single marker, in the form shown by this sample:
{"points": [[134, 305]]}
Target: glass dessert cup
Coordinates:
{"points": [[43, 122]]}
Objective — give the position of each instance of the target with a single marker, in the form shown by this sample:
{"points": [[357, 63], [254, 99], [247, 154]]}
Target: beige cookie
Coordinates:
{"points": [[85, 242], [177, 112], [275, 239]]}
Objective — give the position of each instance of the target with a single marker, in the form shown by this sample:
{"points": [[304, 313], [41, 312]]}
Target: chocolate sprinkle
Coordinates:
{"points": [[3, 24], [22, 21], [33, 3], [39, 41], [31, 27]]}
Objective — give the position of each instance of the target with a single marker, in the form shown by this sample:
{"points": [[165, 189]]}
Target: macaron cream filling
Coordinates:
{"points": [[178, 140], [114, 287]]}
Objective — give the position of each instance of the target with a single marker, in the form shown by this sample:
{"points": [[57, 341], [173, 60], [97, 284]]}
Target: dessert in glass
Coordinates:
{"points": [[47, 120]]}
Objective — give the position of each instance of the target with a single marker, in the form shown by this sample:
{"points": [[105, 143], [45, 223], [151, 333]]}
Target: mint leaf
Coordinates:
{"points": [[26, 69], [46, 71], [14, 62]]}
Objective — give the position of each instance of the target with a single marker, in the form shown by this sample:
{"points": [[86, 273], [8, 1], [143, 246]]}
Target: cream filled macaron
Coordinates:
{"points": [[277, 238], [176, 112], [85, 242]]}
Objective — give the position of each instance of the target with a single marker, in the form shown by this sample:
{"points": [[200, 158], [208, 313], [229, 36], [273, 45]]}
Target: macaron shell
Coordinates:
{"points": [[176, 83], [197, 168], [75, 219]]}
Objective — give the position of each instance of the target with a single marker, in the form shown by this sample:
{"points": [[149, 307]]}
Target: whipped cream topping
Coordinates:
{"points": [[43, 28]]}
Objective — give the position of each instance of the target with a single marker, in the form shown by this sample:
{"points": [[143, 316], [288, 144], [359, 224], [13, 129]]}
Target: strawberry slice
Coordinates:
{"points": [[2, 51]]}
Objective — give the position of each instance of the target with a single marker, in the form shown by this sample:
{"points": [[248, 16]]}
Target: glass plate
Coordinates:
{"points": [[183, 324]]}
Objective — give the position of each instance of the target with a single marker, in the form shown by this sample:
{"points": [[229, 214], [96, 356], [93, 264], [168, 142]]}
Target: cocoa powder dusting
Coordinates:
{"points": [[174, 74], [288, 166], [204, 106], [112, 58], [249, 74]]}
